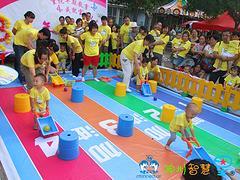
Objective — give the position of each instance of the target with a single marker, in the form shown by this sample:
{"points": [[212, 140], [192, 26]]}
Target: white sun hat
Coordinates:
{"points": [[134, 24]]}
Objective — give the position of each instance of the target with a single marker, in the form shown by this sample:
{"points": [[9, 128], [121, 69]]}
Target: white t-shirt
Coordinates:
{"points": [[209, 49], [226, 54], [78, 31]]}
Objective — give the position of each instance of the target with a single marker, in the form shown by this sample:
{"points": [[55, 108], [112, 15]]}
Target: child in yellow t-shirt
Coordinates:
{"points": [[39, 96], [115, 38], [142, 75], [181, 123], [154, 72], [62, 57], [176, 42], [232, 79]]}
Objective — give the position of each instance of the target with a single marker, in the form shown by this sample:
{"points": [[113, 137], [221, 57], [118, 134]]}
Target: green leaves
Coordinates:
{"points": [[149, 6]]}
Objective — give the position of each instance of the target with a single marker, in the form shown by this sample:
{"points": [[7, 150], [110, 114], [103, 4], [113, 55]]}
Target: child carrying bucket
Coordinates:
{"points": [[39, 97]]}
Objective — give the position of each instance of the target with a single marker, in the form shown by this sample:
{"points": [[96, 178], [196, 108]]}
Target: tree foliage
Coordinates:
{"points": [[149, 6], [216, 7]]}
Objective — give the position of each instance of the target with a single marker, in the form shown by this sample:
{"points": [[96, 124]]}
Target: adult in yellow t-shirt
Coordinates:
{"points": [[160, 44], [124, 32], [237, 62], [223, 52], [23, 41], [91, 40], [34, 61], [155, 32], [53, 62], [140, 36], [130, 55], [25, 23], [71, 28], [115, 39], [182, 50], [25, 37], [84, 20], [53, 59], [76, 51], [57, 28], [182, 122], [105, 32], [142, 33], [176, 42]]}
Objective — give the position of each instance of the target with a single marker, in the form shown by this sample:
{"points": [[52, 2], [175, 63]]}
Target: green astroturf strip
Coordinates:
{"points": [[211, 143]]}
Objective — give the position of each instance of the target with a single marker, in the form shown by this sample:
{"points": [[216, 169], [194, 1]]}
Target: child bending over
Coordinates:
{"points": [[39, 96], [181, 123]]}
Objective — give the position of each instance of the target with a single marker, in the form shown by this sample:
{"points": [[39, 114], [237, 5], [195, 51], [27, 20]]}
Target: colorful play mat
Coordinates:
{"points": [[26, 154]]}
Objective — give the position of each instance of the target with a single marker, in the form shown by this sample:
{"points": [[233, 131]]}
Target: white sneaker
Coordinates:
{"points": [[216, 70], [96, 79], [79, 77], [129, 90], [83, 79], [133, 79], [25, 87]]}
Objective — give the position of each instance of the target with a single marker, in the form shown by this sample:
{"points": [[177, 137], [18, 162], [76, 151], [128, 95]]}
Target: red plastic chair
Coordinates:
{"points": [[2, 57]]}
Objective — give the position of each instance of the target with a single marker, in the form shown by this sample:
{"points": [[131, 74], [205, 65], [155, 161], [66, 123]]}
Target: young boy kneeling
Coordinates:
{"points": [[181, 122], [40, 97], [154, 72]]}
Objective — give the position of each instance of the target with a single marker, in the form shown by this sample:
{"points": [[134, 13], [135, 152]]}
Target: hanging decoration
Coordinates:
{"points": [[5, 24], [176, 11]]}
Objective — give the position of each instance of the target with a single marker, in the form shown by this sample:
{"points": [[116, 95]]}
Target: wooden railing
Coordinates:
{"points": [[227, 97]]}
